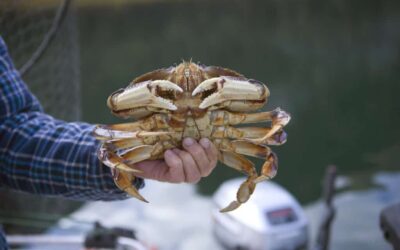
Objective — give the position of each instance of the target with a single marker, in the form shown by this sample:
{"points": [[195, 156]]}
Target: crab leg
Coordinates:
{"points": [[242, 164], [112, 160], [131, 143], [221, 117], [145, 124], [133, 151], [124, 182], [278, 117], [278, 122], [143, 152], [105, 134], [123, 178], [238, 162], [249, 132], [270, 166], [128, 130]]}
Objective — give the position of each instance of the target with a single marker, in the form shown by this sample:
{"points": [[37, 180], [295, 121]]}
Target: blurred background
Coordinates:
{"points": [[334, 65]]}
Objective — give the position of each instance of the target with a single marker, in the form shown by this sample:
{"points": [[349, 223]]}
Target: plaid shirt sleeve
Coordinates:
{"points": [[42, 155]]}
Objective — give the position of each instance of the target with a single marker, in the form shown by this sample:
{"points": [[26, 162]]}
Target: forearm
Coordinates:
{"points": [[14, 94], [43, 155], [39, 154]]}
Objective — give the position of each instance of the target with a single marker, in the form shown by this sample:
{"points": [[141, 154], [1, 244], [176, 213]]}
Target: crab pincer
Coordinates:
{"points": [[227, 89], [143, 94]]}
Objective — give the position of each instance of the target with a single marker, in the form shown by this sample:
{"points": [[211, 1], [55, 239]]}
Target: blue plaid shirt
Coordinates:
{"points": [[43, 155]]}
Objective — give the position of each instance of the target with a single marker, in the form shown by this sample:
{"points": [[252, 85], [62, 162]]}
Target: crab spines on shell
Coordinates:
{"points": [[144, 94], [230, 88]]}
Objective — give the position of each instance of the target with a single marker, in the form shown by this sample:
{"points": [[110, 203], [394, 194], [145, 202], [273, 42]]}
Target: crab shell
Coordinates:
{"points": [[192, 100]]}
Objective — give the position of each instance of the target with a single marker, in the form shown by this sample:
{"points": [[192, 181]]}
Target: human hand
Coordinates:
{"points": [[189, 165]]}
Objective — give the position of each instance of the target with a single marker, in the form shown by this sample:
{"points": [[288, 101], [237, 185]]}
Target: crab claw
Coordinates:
{"points": [[143, 94], [230, 88]]}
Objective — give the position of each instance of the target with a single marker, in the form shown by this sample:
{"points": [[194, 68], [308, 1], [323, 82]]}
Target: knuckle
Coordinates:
{"points": [[177, 163], [184, 155], [196, 149], [177, 176]]}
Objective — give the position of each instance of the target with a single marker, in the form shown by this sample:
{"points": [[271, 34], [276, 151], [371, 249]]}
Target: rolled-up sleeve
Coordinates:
{"points": [[42, 155]]}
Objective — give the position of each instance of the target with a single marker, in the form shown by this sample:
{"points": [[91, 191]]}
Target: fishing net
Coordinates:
{"points": [[42, 38]]}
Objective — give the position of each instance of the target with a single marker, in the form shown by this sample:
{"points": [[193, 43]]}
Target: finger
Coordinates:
{"points": [[190, 169], [211, 152], [198, 153], [153, 169], [175, 173]]}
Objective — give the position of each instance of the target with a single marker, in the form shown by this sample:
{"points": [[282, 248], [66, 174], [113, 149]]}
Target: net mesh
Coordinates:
{"points": [[54, 79]]}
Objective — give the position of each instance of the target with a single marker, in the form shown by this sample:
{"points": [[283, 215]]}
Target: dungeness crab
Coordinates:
{"points": [[192, 100]]}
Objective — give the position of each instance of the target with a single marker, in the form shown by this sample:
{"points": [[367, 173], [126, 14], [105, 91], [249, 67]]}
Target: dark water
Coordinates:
{"points": [[334, 65]]}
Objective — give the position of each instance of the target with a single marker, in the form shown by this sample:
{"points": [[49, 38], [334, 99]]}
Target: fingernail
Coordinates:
{"points": [[205, 142], [188, 141], [168, 153]]}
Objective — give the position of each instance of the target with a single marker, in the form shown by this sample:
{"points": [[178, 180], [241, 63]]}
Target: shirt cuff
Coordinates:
{"points": [[138, 183]]}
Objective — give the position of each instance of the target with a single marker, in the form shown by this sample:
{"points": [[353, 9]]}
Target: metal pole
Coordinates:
{"points": [[324, 231]]}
